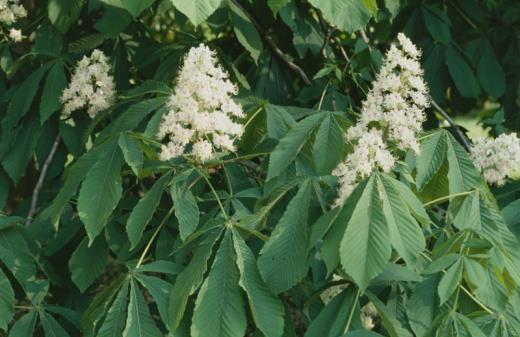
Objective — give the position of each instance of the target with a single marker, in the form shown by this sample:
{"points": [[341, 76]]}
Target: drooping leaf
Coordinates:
{"points": [[348, 15], [266, 308], [100, 191], [245, 31], [87, 263], [283, 259], [461, 73], [51, 327], [132, 152], [24, 326], [197, 10], [219, 309], [159, 290]]}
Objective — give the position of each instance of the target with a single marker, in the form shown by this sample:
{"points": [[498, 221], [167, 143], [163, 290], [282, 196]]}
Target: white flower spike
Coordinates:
{"points": [[91, 86], [202, 111], [391, 116]]}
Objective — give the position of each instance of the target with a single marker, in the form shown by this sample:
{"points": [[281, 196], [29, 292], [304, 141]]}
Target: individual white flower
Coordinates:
{"points": [[91, 86], [15, 35], [202, 110], [497, 158], [391, 115]]}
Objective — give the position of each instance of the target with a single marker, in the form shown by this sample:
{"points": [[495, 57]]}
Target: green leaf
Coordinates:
{"points": [[139, 322], [52, 89], [190, 279], [331, 321], [15, 254], [132, 152], [450, 281], [245, 31], [461, 73], [290, 146], [462, 174], [433, 150], [437, 23], [136, 7], [489, 72], [63, 13], [392, 325], [115, 319], [159, 290], [276, 5], [186, 209], [365, 248], [51, 328], [405, 234], [266, 308], [6, 301], [87, 263], [468, 215], [197, 10], [100, 191], [422, 305], [283, 259], [24, 327], [219, 309], [131, 117], [347, 15], [328, 146], [74, 176], [144, 210]]}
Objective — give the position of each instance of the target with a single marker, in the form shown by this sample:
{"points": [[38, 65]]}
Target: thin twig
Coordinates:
{"points": [[452, 124], [41, 178], [328, 34], [277, 51]]}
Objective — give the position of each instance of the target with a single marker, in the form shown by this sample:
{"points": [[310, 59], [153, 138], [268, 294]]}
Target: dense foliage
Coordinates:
{"points": [[125, 213]]}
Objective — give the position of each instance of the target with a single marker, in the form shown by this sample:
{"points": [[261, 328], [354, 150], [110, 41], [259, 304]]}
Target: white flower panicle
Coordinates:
{"points": [[202, 111], [10, 12], [91, 86], [391, 116], [497, 158]]}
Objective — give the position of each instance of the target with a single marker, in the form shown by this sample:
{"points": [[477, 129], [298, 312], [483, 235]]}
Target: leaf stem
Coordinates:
{"points": [[214, 193], [154, 235], [351, 314], [446, 197]]}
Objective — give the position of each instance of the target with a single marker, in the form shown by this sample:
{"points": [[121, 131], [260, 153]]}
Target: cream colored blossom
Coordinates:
{"points": [[202, 113], [91, 86], [497, 158], [391, 117], [15, 35], [11, 11]]}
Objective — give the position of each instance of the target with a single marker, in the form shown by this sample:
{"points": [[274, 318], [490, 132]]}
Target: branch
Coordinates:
{"points": [[41, 178], [277, 51], [452, 123]]}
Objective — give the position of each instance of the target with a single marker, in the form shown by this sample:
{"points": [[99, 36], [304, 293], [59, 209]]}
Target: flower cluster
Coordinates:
{"points": [[497, 158], [91, 86], [391, 116], [10, 12], [202, 111]]}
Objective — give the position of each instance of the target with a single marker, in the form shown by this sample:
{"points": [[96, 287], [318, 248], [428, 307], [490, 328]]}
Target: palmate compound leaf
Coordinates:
{"points": [[190, 279], [283, 259], [365, 248], [266, 308], [219, 309], [101, 190]]}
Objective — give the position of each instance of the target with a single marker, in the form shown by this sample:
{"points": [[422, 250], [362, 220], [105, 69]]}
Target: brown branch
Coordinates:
{"points": [[452, 123], [277, 51], [41, 178]]}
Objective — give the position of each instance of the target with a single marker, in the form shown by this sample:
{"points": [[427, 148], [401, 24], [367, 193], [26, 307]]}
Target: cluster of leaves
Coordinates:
{"points": [[100, 238]]}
